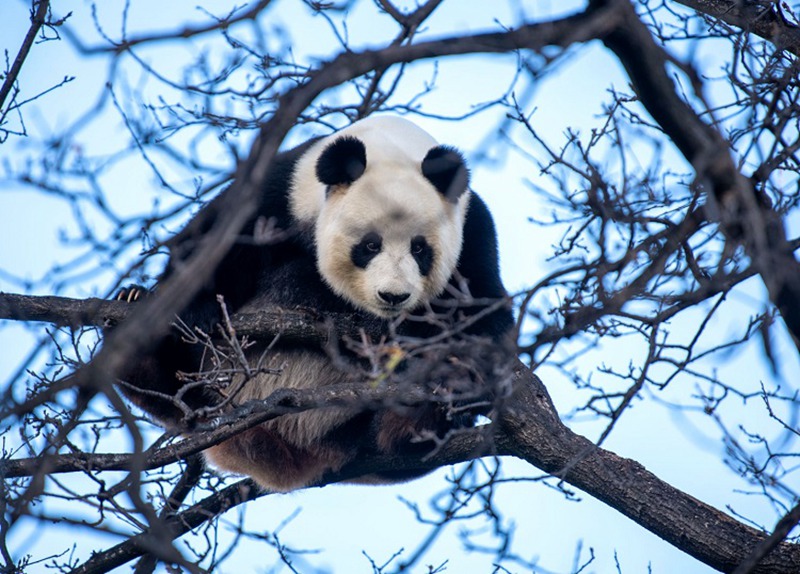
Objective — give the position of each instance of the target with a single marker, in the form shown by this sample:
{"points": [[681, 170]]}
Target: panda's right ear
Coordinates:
{"points": [[446, 169], [342, 162]]}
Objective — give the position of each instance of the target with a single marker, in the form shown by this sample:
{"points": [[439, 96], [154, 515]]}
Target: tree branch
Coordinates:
{"points": [[762, 18], [744, 214], [136, 546], [37, 21], [219, 429], [292, 324], [529, 430], [186, 32], [765, 548]]}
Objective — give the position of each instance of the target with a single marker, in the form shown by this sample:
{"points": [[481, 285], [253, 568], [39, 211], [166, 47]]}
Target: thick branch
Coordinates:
{"points": [[530, 432], [763, 19], [292, 324], [62, 311]]}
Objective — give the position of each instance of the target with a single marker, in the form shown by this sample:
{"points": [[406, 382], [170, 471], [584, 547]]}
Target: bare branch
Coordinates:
{"points": [[222, 23], [38, 19], [532, 431], [746, 214], [136, 546], [769, 544], [205, 435], [763, 18]]}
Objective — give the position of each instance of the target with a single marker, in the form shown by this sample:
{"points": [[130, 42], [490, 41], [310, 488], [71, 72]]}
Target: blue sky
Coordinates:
{"points": [[683, 448]]}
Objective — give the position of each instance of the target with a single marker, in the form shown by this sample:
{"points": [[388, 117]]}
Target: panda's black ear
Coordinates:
{"points": [[445, 168], [342, 162]]}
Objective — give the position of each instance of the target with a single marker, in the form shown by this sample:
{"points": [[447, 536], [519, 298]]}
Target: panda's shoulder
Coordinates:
{"points": [[479, 221], [278, 186], [479, 260]]}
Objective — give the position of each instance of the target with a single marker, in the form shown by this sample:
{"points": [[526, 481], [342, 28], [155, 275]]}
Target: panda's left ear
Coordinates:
{"points": [[445, 168], [342, 162]]}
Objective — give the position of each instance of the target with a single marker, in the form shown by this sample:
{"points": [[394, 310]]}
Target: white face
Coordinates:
{"points": [[389, 242]]}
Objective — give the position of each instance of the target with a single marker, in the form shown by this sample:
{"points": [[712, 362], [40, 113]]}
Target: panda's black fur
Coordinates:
{"points": [[297, 450]]}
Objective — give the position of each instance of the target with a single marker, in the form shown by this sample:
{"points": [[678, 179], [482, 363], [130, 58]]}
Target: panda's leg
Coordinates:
{"points": [[404, 434], [293, 450], [262, 453]]}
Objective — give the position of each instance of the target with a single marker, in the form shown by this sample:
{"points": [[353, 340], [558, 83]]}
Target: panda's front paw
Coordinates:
{"points": [[132, 293]]}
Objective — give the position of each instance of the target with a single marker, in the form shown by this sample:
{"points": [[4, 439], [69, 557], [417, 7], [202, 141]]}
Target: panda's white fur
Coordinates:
{"points": [[393, 197], [303, 433]]}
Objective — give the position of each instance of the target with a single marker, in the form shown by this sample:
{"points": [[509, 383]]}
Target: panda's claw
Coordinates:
{"points": [[131, 294]]}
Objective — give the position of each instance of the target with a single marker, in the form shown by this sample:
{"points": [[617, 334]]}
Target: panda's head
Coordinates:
{"points": [[388, 214]]}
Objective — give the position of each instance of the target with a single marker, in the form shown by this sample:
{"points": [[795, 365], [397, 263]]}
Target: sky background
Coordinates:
{"points": [[341, 522]]}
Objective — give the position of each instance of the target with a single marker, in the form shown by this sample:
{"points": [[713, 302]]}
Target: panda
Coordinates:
{"points": [[375, 220]]}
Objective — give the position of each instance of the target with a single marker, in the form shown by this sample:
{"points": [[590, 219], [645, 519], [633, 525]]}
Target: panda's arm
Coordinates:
{"points": [[151, 381]]}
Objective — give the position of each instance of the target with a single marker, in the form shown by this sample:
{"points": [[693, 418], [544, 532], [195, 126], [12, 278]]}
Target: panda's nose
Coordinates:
{"points": [[393, 298]]}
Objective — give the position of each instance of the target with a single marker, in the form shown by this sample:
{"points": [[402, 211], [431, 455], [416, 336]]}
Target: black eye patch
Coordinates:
{"points": [[365, 250], [422, 253]]}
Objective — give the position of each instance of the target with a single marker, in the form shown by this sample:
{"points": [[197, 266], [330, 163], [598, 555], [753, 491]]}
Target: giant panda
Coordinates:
{"points": [[376, 220]]}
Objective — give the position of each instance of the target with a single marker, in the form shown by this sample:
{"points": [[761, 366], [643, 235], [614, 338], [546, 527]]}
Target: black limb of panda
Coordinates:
{"points": [[375, 219]]}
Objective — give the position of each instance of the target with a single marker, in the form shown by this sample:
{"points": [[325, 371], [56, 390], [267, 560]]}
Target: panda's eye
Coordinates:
{"points": [[422, 252], [365, 250]]}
